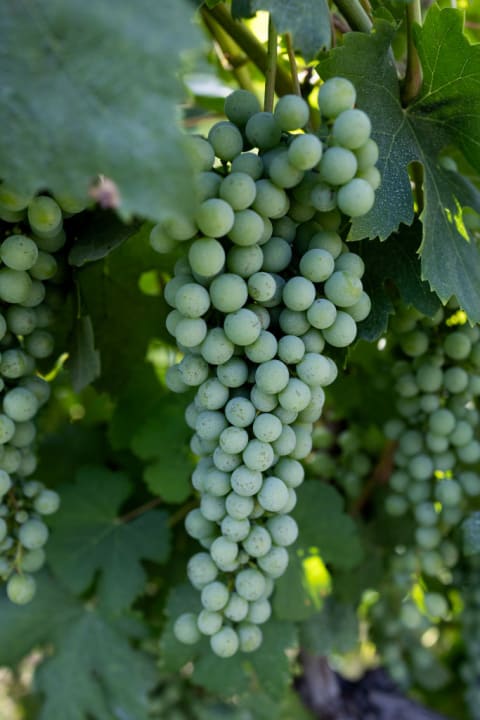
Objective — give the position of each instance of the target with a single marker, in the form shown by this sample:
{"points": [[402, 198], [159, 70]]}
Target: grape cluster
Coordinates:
{"points": [[437, 382], [469, 582], [264, 288], [32, 231]]}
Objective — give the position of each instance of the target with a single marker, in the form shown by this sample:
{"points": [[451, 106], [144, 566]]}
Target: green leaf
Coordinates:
{"points": [[174, 654], [471, 534], [324, 524], [84, 359], [242, 9], [93, 671], [333, 630], [271, 663], [124, 318], [294, 598], [307, 20], [99, 233], [96, 93], [89, 538], [224, 677], [443, 115], [164, 438], [395, 260]]}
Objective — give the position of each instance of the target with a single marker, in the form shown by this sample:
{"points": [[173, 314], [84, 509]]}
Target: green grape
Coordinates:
{"points": [[367, 155], [245, 481], [21, 589], [295, 396], [228, 292], [35, 290], [39, 344], [335, 96], [209, 622], [240, 106], [272, 376], [233, 373], [343, 289], [20, 404], [372, 176], [305, 152], [342, 332], [350, 262], [14, 285], [33, 534], [244, 261], [44, 216], [337, 166], [226, 140], [442, 422], [250, 637], [32, 561], [240, 412], [239, 507], [21, 321], [298, 293], [291, 349], [215, 218], [233, 440], [13, 200], [248, 163], [352, 128], [277, 254], [321, 314], [225, 643], [236, 530], [322, 197], [264, 402], [275, 562], [283, 173], [267, 427], [200, 151], [18, 252], [263, 130], [262, 286], [317, 265], [291, 112], [327, 240], [238, 190], [47, 502], [258, 455], [356, 198], [242, 327], [192, 300], [457, 345], [361, 309], [270, 201], [258, 542], [317, 369]]}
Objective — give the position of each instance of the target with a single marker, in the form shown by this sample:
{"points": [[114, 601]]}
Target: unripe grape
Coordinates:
{"points": [[186, 630]]}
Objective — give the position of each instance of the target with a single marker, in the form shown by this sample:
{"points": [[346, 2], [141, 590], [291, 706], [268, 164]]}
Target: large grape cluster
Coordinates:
{"points": [[435, 473], [265, 288], [32, 231]]}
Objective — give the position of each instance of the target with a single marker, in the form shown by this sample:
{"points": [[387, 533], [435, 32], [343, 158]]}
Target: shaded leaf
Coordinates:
{"points": [[71, 113], [89, 538], [471, 534], [450, 259], [84, 359], [307, 20], [100, 233]]}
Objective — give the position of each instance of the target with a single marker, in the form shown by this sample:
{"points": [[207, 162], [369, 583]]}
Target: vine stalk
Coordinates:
{"points": [[413, 75], [271, 69], [293, 64], [355, 14]]}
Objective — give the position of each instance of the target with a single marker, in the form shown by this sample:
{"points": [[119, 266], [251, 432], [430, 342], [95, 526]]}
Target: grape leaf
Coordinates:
{"points": [[333, 630], [242, 9], [89, 538], [294, 599], [394, 260], [124, 318], [307, 20], [174, 654], [224, 677], [324, 524], [270, 662], [93, 671], [97, 234], [447, 112], [96, 93], [164, 438], [84, 360]]}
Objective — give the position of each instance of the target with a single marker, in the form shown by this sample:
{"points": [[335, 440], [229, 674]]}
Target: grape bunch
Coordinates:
{"points": [[470, 668], [32, 231], [264, 289], [437, 382]]}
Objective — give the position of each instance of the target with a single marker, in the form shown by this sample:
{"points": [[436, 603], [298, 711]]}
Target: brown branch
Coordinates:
{"points": [[140, 510], [380, 476]]}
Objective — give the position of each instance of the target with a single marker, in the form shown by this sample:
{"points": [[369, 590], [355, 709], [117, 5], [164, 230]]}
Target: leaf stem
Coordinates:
{"points": [[230, 55], [380, 476], [247, 42], [355, 14], [271, 69], [140, 510], [293, 64], [413, 75]]}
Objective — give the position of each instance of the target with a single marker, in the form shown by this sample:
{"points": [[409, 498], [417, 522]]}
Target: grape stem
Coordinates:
{"points": [[355, 15], [380, 476], [413, 75], [293, 64], [230, 56], [271, 69], [247, 42]]}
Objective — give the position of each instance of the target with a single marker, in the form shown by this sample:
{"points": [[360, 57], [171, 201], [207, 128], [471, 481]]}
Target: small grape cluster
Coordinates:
{"points": [[32, 232], [265, 286], [435, 464], [469, 582]]}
